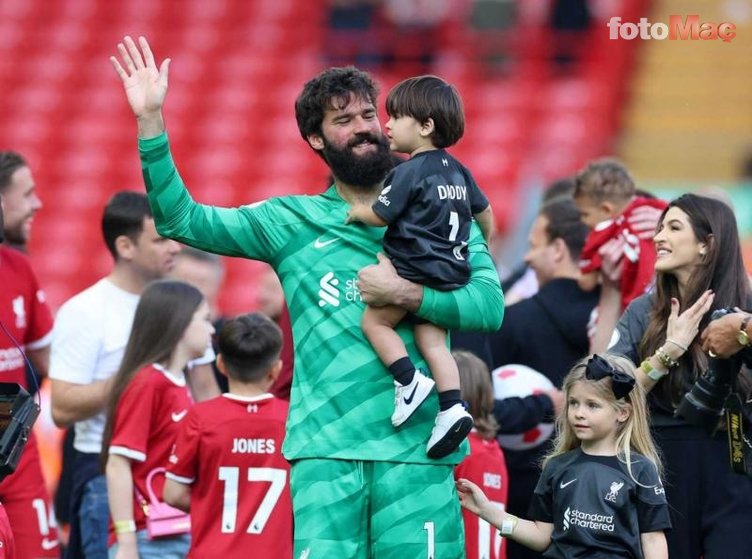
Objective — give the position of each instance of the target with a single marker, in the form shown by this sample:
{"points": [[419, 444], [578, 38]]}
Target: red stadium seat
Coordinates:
{"points": [[237, 67]]}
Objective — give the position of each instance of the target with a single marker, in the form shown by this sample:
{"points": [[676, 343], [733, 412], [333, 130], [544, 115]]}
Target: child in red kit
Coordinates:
{"points": [[227, 465], [485, 465], [606, 196]]}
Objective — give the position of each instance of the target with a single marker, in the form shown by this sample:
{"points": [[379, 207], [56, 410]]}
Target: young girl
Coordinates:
{"points": [[428, 204], [600, 494], [485, 466], [149, 399]]}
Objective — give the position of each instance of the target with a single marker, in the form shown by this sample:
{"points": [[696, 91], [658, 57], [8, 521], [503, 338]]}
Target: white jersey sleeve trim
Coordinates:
{"points": [[40, 343], [180, 479], [128, 453]]}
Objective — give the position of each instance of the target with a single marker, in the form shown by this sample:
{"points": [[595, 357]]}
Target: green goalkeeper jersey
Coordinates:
{"points": [[342, 396]]}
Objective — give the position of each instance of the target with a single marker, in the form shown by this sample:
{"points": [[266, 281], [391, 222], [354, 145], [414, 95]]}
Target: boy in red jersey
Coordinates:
{"points": [[227, 465], [485, 465]]}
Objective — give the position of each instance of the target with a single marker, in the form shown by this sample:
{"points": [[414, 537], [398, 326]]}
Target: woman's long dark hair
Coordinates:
{"points": [[164, 311], [721, 269]]}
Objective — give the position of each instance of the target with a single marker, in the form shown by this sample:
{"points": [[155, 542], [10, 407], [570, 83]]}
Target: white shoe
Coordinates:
{"points": [[452, 426], [408, 398]]}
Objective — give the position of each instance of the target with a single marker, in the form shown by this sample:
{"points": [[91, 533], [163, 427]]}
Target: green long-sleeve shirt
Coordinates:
{"points": [[342, 396]]}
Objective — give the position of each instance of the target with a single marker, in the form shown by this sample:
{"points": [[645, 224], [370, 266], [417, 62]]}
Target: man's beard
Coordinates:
{"points": [[14, 237], [360, 171]]}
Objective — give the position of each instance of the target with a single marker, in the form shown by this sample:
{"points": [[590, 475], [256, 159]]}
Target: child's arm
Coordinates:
{"points": [[177, 494], [588, 281], [535, 535], [365, 214], [120, 496], [486, 222], [654, 545]]}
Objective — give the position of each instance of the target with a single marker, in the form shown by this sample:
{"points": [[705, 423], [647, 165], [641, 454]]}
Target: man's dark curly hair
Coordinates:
{"points": [[332, 88], [10, 162]]}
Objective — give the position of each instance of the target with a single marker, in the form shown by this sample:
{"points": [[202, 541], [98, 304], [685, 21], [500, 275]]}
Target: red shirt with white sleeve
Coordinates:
{"points": [[25, 315], [148, 417], [484, 466], [638, 254], [229, 451]]}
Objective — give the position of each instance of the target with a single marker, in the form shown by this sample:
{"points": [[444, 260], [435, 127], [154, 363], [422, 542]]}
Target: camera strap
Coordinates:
{"points": [[18, 411], [735, 430]]}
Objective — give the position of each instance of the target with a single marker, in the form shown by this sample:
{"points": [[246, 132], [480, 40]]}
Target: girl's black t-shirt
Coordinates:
{"points": [[597, 508]]}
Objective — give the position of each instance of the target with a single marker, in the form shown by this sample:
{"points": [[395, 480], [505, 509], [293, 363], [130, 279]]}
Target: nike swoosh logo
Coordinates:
{"points": [[318, 243], [49, 544], [562, 485], [178, 416], [409, 400]]}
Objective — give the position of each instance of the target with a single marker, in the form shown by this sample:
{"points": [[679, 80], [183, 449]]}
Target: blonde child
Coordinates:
{"points": [[428, 204], [148, 400], [485, 465], [600, 494]]}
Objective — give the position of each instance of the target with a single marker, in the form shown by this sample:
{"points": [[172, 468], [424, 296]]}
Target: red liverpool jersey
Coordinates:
{"points": [[147, 419], [638, 254], [229, 451], [25, 316], [23, 312], [485, 466]]}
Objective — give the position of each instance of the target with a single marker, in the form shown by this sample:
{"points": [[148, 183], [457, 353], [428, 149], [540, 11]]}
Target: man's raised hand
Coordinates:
{"points": [[144, 84]]}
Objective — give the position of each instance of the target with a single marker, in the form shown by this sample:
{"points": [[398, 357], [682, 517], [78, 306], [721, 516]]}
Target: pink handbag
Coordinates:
{"points": [[162, 519]]}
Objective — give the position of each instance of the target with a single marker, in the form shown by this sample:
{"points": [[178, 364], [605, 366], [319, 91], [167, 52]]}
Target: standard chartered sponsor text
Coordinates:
{"points": [[592, 521], [10, 359]]}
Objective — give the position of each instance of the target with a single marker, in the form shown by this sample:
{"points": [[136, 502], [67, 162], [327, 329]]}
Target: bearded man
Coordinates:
{"points": [[361, 488]]}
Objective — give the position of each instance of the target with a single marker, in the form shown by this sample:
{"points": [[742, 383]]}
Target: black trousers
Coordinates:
{"points": [[711, 506]]}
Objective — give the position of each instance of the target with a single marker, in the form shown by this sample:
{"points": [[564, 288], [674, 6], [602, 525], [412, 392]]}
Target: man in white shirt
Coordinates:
{"points": [[90, 335]]}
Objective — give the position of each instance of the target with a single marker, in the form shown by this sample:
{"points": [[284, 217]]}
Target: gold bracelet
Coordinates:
{"points": [[124, 526], [665, 358]]}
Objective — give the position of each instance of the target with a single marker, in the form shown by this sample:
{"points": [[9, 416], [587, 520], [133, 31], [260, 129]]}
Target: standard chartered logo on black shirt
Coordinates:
{"points": [[591, 521]]}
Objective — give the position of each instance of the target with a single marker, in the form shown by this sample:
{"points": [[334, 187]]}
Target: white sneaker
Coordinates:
{"points": [[452, 426], [408, 398]]}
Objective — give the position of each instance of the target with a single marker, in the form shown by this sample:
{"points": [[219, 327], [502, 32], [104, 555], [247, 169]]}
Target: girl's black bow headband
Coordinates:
{"points": [[621, 383]]}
